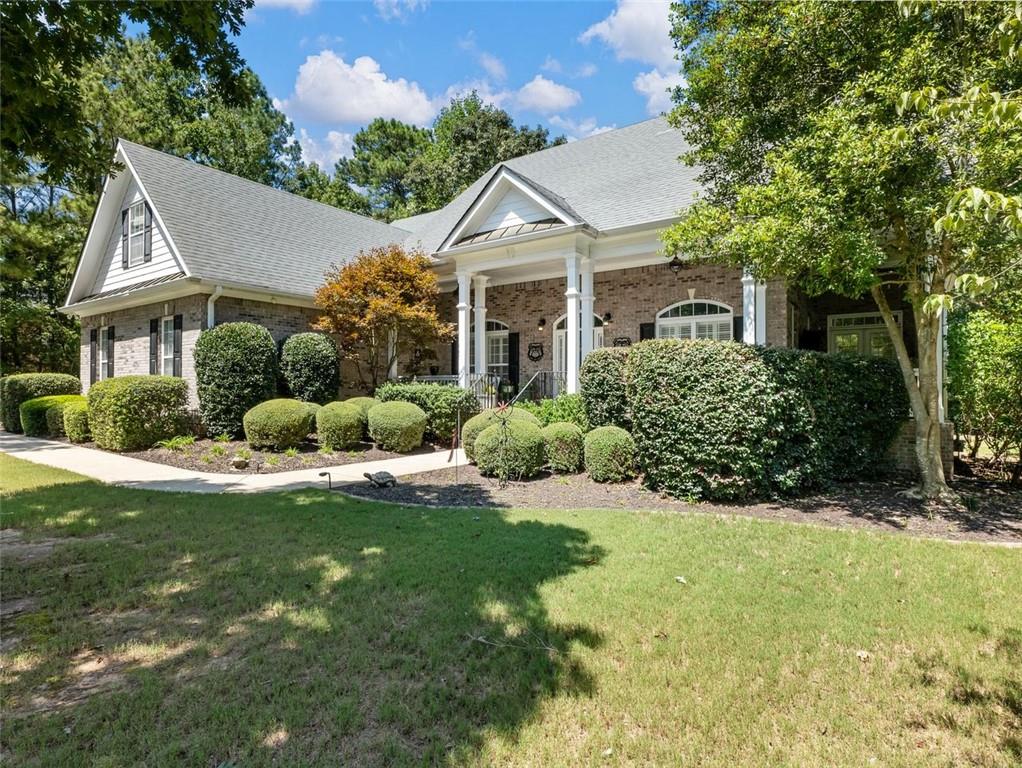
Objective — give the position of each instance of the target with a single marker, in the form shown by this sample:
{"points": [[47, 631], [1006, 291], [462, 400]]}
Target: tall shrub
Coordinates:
{"points": [[441, 402], [128, 413], [235, 370], [16, 389], [602, 386], [308, 365]]}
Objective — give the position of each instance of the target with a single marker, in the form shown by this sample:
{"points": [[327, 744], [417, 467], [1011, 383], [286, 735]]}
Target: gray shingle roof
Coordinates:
{"points": [[238, 231], [626, 176]]}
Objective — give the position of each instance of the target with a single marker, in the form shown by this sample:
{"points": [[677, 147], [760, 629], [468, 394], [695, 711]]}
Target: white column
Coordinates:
{"points": [[587, 306], [761, 313], [571, 295], [748, 308], [479, 282], [464, 327]]}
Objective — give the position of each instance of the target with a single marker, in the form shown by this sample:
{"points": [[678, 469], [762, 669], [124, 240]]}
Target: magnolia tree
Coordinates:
{"points": [[382, 305], [860, 148]]}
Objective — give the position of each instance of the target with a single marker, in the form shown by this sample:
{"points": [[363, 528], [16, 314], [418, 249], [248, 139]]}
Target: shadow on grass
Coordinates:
{"points": [[291, 628]]}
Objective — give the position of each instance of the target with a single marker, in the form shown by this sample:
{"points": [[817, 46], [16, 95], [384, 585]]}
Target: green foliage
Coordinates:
{"points": [[471, 429], [35, 420], [16, 389], [565, 443], [180, 442], [564, 407], [441, 403], [277, 424], [55, 413], [235, 369], [609, 454], [602, 387], [364, 405], [223, 437], [76, 421], [308, 364], [511, 450], [397, 426], [308, 180], [129, 413], [340, 426]]}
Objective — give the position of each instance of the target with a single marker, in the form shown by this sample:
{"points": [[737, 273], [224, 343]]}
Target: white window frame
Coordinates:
{"points": [[865, 325], [496, 331], [167, 335], [136, 217], [687, 327], [101, 352]]}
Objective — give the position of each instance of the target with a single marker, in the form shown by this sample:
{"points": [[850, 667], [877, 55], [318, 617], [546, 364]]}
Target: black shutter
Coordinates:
{"points": [[177, 345], [93, 355], [513, 359], [110, 352], [454, 358], [738, 328], [147, 237], [124, 239], [647, 331], [154, 346]]}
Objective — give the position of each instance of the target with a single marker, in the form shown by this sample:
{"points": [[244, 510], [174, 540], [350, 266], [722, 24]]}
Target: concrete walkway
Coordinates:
{"points": [[135, 473]]}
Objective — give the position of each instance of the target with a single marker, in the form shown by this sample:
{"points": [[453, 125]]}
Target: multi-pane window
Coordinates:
{"points": [[104, 351], [167, 346], [695, 320], [136, 233], [862, 334], [498, 350]]}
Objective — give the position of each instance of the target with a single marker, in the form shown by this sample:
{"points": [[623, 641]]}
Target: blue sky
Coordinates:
{"points": [[576, 67]]}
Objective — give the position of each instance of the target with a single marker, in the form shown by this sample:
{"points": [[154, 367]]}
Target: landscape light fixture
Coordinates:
{"points": [[329, 480]]}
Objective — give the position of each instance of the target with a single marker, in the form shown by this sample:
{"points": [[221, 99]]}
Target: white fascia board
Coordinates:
{"points": [[256, 293], [88, 241], [184, 286]]}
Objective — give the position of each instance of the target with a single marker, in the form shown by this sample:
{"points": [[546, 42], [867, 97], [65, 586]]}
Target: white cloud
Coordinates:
{"points": [[328, 89], [585, 70], [579, 129], [493, 66], [654, 86], [298, 6], [327, 151], [485, 90], [551, 65], [390, 10], [546, 96], [638, 30]]}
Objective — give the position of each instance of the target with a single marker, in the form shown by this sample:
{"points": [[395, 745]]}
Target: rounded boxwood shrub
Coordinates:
{"points": [[364, 405], [564, 444], [313, 409], [235, 369], [16, 389], [339, 425], [55, 413], [511, 451], [308, 365], [76, 421], [470, 429], [609, 455], [441, 402], [33, 414], [397, 426], [602, 388], [277, 424], [129, 413]]}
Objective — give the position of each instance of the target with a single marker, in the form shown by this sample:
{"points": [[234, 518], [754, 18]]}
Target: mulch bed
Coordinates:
{"points": [[989, 511], [211, 456]]}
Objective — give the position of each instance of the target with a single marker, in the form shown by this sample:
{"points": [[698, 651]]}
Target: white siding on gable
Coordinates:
{"points": [[512, 209], [112, 275]]}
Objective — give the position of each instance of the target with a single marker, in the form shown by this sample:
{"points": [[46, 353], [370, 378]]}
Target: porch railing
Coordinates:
{"points": [[542, 385]]}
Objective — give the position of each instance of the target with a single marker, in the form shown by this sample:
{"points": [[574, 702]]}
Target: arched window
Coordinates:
{"points": [[562, 322], [695, 320], [497, 348]]}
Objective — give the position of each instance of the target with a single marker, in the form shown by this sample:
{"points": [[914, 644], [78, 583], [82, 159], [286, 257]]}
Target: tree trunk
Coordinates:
{"points": [[923, 393]]}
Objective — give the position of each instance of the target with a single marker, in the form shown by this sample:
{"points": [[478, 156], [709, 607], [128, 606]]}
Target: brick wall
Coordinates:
{"points": [[901, 456]]}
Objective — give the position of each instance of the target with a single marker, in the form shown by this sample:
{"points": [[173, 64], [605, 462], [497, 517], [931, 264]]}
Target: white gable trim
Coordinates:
{"points": [[92, 251], [491, 195]]}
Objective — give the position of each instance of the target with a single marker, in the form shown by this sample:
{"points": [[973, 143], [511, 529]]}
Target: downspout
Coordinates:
{"points": [[210, 311]]}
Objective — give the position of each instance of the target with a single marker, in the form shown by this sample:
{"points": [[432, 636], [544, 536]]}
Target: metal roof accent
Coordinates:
{"points": [[134, 287], [511, 231]]}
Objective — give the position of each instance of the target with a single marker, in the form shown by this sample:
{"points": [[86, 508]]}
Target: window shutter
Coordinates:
{"points": [[147, 237], [513, 359], [454, 358], [124, 239], [93, 355], [154, 346], [110, 352], [178, 324], [738, 328], [647, 331]]}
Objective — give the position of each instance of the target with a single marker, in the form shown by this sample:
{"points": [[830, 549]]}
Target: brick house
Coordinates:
{"points": [[552, 254]]}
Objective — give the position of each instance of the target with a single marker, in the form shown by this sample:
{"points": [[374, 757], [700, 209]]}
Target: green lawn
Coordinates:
{"points": [[308, 629]]}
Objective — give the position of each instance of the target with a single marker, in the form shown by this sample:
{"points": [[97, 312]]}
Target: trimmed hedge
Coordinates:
{"points": [[16, 389], [339, 425], [34, 415], [609, 455], [308, 365], [441, 402], [55, 414], [511, 451], [129, 413], [563, 408], [364, 405], [602, 388], [470, 429], [235, 370], [277, 424], [564, 446], [397, 426], [76, 421]]}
